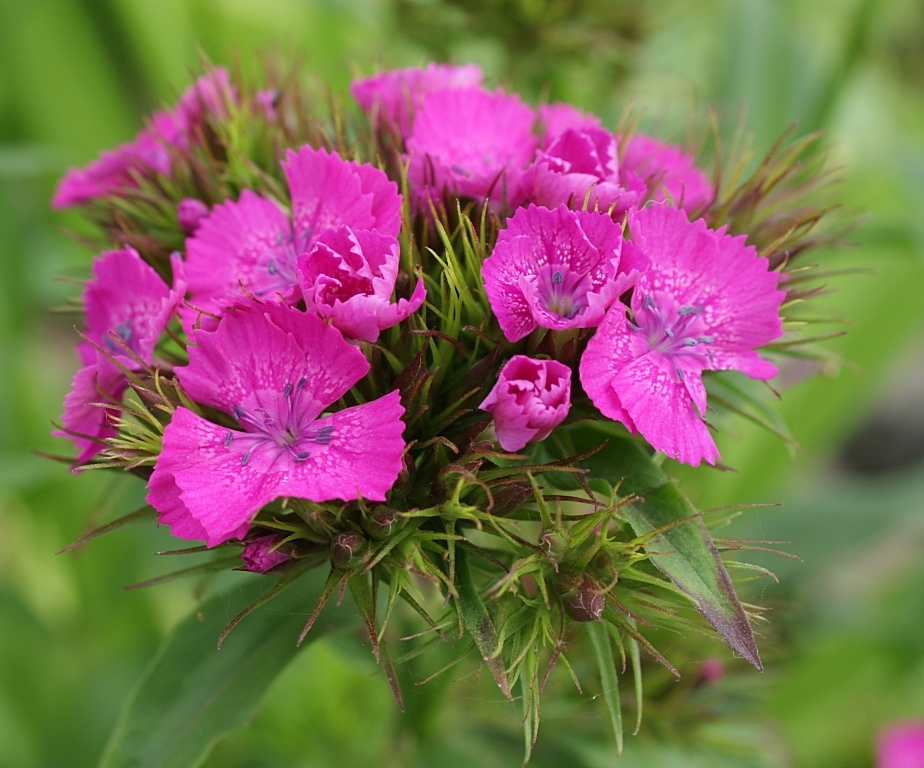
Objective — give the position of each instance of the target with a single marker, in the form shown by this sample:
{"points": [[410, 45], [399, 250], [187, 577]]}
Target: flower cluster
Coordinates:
{"points": [[461, 314]]}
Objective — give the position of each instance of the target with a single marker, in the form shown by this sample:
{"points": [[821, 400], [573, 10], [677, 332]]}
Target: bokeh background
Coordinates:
{"points": [[844, 652]]}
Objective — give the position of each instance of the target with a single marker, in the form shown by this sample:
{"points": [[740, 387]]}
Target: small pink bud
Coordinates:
{"points": [[189, 213], [531, 398], [262, 554]]}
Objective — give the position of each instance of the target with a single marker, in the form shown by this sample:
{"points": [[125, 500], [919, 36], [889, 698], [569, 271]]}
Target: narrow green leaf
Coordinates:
{"points": [[478, 623], [609, 677], [684, 551], [194, 694]]}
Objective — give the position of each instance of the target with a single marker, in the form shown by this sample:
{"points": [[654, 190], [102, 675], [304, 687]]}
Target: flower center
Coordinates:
{"points": [[673, 331], [287, 433]]}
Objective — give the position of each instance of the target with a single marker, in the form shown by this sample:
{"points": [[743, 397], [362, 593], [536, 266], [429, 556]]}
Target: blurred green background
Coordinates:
{"points": [[843, 652]]}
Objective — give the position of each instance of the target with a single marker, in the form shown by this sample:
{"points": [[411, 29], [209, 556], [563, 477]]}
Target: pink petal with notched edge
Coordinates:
{"points": [[663, 410], [559, 117], [86, 423], [555, 268], [395, 96], [669, 170], [240, 246], [128, 298], [262, 349], [705, 267], [473, 143], [328, 192], [220, 488], [348, 277]]}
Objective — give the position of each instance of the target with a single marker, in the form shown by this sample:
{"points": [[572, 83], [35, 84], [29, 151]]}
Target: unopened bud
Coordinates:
{"points": [[581, 598], [347, 550], [189, 212], [554, 543], [262, 554], [382, 523]]}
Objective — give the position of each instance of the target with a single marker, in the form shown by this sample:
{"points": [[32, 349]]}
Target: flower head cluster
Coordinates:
{"points": [[362, 351]]}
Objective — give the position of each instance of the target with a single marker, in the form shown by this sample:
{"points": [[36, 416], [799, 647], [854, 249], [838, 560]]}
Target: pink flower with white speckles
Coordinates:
{"points": [[705, 302], [556, 269], [273, 371], [252, 245]]}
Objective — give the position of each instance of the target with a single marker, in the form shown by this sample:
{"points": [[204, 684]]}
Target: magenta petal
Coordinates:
{"points": [[256, 352], [559, 117], [240, 246], [219, 490], [394, 96], [531, 398], [127, 298], [348, 277], [669, 170], [328, 192], [473, 143], [86, 422], [554, 268], [362, 458], [662, 409]]}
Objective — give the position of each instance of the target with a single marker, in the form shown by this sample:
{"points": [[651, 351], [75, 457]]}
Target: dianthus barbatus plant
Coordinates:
{"points": [[441, 346]]}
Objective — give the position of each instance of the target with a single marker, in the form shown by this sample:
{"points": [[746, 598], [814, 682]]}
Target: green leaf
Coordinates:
{"points": [[194, 694], [682, 551]]}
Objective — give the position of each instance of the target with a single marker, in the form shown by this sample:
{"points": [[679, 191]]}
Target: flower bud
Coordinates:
{"points": [[382, 523], [531, 398], [189, 212], [347, 550], [554, 543], [581, 597], [262, 554]]}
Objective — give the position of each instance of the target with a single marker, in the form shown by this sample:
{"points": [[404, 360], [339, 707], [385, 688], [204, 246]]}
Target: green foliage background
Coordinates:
{"points": [[843, 651]]}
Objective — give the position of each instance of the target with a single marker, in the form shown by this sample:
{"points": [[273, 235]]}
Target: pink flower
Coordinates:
{"points": [[901, 746], [274, 371], [556, 269], [251, 244], [263, 553], [394, 96], [555, 119], [149, 152], [531, 398], [348, 277], [705, 302], [127, 305], [473, 143], [667, 170], [581, 166]]}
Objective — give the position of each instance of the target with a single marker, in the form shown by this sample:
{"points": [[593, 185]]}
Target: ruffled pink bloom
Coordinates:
{"points": [[667, 170], [274, 371], [901, 746], [263, 553], [705, 302], [250, 245], [556, 269], [149, 152], [531, 398], [395, 96], [348, 277], [580, 168], [127, 306], [555, 119], [472, 143]]}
